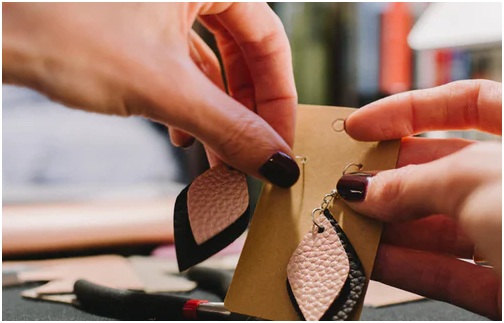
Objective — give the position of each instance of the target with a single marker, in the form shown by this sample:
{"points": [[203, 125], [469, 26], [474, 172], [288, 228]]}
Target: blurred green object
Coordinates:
{"points": [[316, 35]]}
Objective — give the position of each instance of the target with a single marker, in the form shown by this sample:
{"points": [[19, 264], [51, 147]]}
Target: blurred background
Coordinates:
{"points": [[58, 160]]}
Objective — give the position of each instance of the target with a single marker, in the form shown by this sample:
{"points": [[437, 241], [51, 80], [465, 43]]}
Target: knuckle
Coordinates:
{"points": [[388, 188], [389, 184], [239, 137], [466, 170], [475, 161], [271, 44]]}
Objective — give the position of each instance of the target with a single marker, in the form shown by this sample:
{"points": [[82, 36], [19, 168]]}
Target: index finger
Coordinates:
{"points": [[471, 104], [261, 37]]}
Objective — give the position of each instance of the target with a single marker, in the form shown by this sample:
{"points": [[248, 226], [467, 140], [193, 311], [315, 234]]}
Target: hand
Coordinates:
{"points": [[446, 192], [144, 59]]}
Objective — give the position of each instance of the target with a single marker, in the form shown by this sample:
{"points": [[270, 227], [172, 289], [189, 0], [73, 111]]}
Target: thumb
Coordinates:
{"points": [[235, 134], [437, 187]]}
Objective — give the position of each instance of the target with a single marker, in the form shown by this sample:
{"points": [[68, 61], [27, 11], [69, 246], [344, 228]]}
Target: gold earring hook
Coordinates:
{"points": [[328, 198], [359, 167], [303, 159]]}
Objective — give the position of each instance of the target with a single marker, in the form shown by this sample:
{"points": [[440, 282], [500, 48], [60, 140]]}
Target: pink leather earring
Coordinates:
{"points": [[325, 278], [210, 213]]}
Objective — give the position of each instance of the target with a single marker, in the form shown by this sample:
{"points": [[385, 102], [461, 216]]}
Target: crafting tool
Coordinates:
{"points": [[124, 304], [214, 280], [133, 305]]}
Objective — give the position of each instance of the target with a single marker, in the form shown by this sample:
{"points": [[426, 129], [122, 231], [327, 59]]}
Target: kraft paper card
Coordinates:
{"points": [[283, 216]]}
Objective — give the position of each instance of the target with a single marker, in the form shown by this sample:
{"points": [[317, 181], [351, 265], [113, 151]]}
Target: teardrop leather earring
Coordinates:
{"points": [[210, 213], [325, 277]]}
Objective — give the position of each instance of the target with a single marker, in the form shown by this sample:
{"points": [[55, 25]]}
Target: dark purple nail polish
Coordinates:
{"points": [[188, 143], [280, 170], [353, 187]]}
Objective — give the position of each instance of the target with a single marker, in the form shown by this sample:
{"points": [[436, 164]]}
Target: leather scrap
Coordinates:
{"points": [[189, 252], [216, 199], [61, 274], [317, 271]]}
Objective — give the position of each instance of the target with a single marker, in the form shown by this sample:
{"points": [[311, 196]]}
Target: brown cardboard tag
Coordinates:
{"points": [[282, 217]]}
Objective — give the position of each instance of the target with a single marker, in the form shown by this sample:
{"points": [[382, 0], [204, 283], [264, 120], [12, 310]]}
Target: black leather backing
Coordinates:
{"points": [[344, 305], [189, 253]]}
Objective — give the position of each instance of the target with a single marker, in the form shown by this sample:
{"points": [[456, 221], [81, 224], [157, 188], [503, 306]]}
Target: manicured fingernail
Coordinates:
{"points": [[281, 170], [188, 143], [353, 187]]}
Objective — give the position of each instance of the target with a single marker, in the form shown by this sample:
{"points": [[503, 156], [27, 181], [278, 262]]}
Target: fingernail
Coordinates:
{"points": [[188, 143], [353, 187], [281, 170]]}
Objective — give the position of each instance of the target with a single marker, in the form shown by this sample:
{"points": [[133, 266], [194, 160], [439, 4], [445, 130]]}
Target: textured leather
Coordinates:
{"points": [[215, 200], [318, 270], [346, 303], [189, 253]]}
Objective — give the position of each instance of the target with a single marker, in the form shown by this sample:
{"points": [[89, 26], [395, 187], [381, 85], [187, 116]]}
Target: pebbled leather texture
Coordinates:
{"points": [[354, 286], [189, 253], [317, 271], [345, 304], [216, 199]]}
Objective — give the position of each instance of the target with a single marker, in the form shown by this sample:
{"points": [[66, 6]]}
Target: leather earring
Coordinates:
{"points": [[325, 278], [210, 213]]}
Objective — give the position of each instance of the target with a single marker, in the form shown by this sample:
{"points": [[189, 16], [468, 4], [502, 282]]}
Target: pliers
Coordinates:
{"points": [[134, 305]]}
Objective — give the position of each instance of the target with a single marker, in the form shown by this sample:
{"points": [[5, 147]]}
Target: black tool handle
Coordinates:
{"points": [[128, 305], [215, 280]]}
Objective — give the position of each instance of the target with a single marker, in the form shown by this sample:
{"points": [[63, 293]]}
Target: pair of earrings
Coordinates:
{"points": [[325, 277]]}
